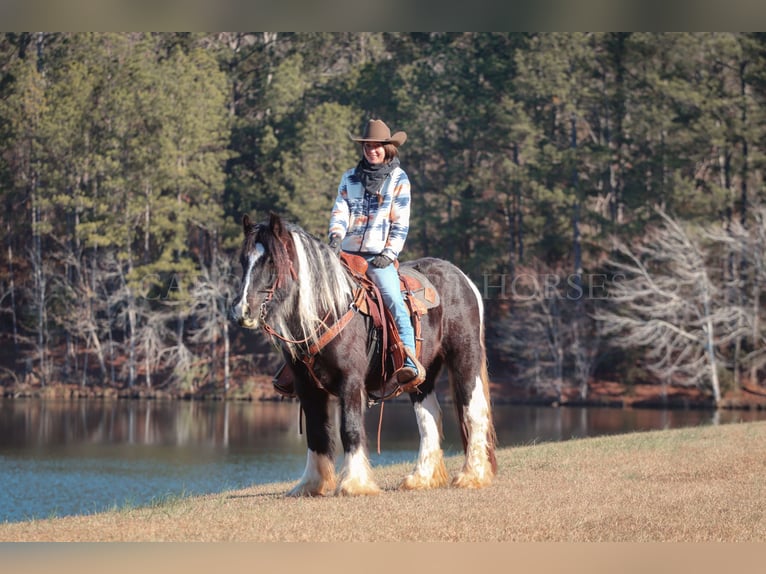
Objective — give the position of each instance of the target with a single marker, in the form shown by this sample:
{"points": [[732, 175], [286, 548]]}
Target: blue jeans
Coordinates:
{"points": [[387, 280]]}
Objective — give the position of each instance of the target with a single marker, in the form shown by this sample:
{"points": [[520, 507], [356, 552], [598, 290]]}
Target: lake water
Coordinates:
{"points": [[60, 458]]}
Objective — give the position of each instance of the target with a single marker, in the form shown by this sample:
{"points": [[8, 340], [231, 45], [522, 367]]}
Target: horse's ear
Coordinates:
{"points": [[284, 251], [247, 225], [275, 224]]}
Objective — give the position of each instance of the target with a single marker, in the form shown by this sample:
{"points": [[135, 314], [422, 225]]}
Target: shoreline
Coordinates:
{"points": [[606, 395]]}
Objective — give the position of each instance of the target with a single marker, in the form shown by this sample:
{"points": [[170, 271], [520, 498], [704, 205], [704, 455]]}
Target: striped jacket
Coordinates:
{"points": [[372, 224]]}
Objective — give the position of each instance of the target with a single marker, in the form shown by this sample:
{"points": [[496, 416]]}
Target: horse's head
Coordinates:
{"points": [[267, 257]]}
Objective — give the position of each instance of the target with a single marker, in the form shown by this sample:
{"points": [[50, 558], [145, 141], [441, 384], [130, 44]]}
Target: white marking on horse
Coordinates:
{"points": [[477, 468], [429, 417], [356, 475], [252, 259], [429, 471], [318, 478]]}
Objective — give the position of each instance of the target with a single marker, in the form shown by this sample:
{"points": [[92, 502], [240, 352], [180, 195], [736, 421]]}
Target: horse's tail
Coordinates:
{"points": [[483, 403], [491, 434], [481, 386]]}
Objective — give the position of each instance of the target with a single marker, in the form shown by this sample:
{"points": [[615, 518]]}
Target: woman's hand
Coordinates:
{"points": [[381, 261], [335, 243]]}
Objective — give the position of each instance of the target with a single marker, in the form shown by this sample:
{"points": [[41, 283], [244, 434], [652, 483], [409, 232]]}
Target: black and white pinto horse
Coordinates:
{"points": [[294, 286]]}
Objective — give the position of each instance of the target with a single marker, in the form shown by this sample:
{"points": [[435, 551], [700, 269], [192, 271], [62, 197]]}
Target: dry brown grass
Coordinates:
{"points": [[695, 484]]}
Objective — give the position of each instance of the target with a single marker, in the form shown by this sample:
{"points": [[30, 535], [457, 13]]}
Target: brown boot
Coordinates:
{"points": [[408, 378], [283, 381]]}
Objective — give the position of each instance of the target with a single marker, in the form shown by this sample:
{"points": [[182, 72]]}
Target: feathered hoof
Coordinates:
{"points": [[357, 488], [311, 489], [472, 480], [417, 481]]}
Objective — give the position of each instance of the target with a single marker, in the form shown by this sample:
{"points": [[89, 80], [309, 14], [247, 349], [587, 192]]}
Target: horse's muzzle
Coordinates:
{"points": [[240, 312], [248, 323]]}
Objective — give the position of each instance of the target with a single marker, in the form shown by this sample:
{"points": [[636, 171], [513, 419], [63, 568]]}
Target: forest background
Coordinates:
{"points": [[603, 190]]}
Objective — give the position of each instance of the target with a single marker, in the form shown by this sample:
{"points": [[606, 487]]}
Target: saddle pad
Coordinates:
{"points": [[421, 288]]}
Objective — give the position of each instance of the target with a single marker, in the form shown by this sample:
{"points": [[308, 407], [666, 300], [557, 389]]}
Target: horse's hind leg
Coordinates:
{"points": [[477, 431], [429, 471], [319, 476], [355, 474]]}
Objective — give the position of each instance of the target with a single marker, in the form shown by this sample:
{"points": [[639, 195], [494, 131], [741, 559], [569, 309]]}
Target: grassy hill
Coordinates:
{"points": [[693, 485]]}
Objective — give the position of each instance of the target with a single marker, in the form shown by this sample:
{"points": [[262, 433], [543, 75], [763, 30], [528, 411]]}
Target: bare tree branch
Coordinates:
{"points": [[666, 303]]}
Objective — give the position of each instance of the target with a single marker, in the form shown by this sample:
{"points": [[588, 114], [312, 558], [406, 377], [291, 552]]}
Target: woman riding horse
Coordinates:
{"points": [[371, 218], [296, 289]]}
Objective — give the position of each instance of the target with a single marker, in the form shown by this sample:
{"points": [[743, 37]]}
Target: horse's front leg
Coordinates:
{"points": [[319, 476], [355, 474]]}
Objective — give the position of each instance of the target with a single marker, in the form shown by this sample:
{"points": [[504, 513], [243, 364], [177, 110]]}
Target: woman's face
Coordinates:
{"points": [[374, 152]]}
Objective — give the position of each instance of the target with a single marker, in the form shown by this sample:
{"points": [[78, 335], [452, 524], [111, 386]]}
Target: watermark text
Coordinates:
{"points": [[532, 286]]}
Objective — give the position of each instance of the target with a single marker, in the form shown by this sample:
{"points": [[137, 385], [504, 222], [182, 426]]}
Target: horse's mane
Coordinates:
{"points": [[321, 285]]}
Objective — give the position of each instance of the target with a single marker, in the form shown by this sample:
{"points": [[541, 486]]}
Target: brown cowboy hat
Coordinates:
{"points": [[377, 131]]}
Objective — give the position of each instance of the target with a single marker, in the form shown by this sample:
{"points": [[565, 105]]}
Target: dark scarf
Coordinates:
{"points": [[373, 176]]}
